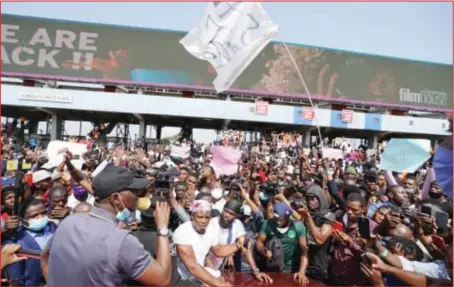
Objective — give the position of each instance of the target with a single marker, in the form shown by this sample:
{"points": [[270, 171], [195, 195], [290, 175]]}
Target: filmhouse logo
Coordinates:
{"points": [[426, 97]]}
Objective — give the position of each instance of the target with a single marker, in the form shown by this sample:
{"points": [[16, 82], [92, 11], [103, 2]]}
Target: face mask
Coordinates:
{"points": [[138, 217], [350, 182], [282, 230], [263, 196], [3, 224], [38, 224], [124, 214], [409, 190], [216, 193]]}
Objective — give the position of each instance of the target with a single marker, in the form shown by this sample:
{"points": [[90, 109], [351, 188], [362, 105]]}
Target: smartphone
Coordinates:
{"points": [[441, 218], [29, 253], [395, 210], [364, 227], [439, 242], [367, 260], [297, 204], [338, 226], [426, 210]]}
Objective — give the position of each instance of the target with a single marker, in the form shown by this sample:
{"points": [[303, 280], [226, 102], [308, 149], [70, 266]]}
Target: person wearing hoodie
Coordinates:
{"points": [[319, 222]]}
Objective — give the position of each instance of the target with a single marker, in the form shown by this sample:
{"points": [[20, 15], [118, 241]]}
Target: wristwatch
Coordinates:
{"points": [[255, 270], [163, 232]]}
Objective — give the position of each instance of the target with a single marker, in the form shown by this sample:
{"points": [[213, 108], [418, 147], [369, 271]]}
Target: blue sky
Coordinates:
{"points": [[420, 31]]}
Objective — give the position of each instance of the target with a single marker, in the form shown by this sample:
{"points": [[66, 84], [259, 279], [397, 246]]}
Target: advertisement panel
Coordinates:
{"points": [[347, 116], [308, 114], [261, 108], [65, 50]]}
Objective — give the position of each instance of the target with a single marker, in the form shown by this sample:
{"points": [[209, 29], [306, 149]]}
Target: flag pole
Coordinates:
{"points": [[303, 82]]}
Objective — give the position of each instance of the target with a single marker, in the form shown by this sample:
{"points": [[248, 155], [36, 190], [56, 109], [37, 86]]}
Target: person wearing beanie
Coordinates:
{"points": [[79, 194]]}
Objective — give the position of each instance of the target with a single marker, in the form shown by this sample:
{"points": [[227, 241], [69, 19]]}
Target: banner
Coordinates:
{"points": [[332, 153], [405, 155], [55, 157], [182, 152], [225, 160], [64, 50], [229, 37]]}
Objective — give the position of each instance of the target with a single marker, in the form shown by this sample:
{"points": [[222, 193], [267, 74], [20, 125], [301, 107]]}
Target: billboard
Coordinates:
{"points": [[63, 50]]}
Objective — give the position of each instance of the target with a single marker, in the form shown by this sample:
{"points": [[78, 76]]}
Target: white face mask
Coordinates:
{"points": [[409, 190], [282, 230], [216, 193]]}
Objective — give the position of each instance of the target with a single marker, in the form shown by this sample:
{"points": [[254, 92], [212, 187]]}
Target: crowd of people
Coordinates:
{"points": [[129, 216]]}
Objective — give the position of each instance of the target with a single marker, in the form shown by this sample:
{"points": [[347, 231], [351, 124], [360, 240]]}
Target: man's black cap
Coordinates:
{"points": [[115, 179], [370, 176]]}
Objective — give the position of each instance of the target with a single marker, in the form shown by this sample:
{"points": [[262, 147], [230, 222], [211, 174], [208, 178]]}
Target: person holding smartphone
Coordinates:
{"points": [[9, 255], [319, 222], [34, 234], [348, 244]]}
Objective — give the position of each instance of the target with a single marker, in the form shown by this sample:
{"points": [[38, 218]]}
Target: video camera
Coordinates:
{"points": [[164, 180], [270, 188]]}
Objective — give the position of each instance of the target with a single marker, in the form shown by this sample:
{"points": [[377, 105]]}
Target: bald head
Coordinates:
{"points": [[403, 231], [82, 207]]}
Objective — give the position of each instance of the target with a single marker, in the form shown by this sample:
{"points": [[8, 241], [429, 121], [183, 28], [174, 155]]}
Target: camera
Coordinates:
{"points": [[164, 179], [270, 189], [301, 188]]}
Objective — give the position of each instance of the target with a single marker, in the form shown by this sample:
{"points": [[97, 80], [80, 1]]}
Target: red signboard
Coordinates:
{"points": [[347, 116], [261, 108], [308, 114]]}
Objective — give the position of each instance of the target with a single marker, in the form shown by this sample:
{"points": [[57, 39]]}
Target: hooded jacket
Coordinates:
{"points": [[318, 254], [323, 209]]}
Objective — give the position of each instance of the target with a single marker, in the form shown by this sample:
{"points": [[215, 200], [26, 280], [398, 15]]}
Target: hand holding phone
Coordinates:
{"points": [[426, 210], [364, 227], [441, 219], [366, 259], [29, 253], [10, 255], [338, 226]]}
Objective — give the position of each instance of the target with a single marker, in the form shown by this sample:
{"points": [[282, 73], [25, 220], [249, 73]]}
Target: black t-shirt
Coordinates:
{"points": [[149, 239]]}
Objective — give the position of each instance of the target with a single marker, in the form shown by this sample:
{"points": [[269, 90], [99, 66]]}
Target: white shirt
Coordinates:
{"points": [[222, 236], [435, 269], [201, 244], [219, 205], [72, 201]]}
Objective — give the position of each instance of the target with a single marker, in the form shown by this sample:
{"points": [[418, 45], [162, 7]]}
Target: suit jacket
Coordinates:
{"points": [[27, 272]]}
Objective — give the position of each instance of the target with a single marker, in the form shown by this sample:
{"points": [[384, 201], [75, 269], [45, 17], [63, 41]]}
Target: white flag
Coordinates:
{"points": [[230, 36]]}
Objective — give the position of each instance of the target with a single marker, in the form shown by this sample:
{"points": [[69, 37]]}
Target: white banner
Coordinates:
{"points": [[229, 37], [180, 151], [55, 158], [332, 153]]}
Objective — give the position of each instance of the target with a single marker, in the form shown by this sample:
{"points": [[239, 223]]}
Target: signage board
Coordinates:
{"points": [[86, 52]]}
